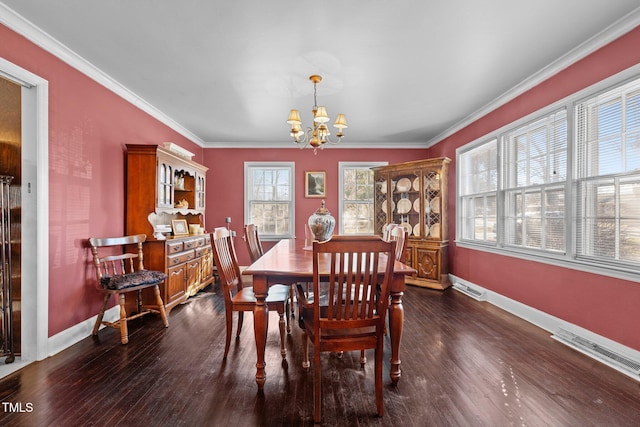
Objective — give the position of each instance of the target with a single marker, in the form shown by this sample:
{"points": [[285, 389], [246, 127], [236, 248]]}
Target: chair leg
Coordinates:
{"points": [[281, 323], [124, 332], [305, 350], [229, 325], [163, 314], [378, 379], [363, 359], [240, 322], [317, 386], [289, 312], [96, 327]]}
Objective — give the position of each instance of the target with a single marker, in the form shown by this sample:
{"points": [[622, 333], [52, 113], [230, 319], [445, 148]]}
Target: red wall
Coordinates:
{"points": [[225, 181], [604, 305], [88, 127]]}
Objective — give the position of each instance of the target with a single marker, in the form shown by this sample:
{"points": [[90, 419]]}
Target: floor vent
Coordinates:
{"points": [[597, 351], [476, 294]]}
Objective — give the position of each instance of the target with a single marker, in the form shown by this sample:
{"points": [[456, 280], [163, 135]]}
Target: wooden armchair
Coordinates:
{"points": [[240, 298], [124, 273], [349, 272]]}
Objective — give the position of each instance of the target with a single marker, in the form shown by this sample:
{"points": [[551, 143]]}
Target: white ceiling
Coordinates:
{"points": [[403, 71]]}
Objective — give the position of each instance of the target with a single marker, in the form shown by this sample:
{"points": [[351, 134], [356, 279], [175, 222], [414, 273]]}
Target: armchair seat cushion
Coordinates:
{"points": [[130, 280]]}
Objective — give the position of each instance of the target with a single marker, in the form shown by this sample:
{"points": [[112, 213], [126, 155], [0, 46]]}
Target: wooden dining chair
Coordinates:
{"points": [[122, 273], [349, 316], [254, 246], [386, 229], [240, 298], [399, 234]]}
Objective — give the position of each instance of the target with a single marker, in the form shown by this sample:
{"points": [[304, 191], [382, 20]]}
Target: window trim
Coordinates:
{"points": [[248, 166], [350, 165], [568, 259]]}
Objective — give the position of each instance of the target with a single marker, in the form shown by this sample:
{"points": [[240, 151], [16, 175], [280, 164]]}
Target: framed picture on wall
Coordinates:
{"points": [[315, 184], [180, 227]]}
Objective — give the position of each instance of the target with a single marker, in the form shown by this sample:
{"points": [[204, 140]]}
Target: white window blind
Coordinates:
{"points": [[608, 175]]}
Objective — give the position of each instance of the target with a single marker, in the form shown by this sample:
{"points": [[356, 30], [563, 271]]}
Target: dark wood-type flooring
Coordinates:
{"points": [[465, 363]]}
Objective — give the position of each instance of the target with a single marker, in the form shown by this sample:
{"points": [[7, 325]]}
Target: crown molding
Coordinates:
{"points": [[342, 145], [22, 26], [609, 34]]}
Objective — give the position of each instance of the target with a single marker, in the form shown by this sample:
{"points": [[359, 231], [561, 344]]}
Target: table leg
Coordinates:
{"points": [[396, 322], [260, 327]]}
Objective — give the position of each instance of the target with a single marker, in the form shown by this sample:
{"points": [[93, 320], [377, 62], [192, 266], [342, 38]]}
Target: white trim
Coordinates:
{"points": [[22, 26], [35, 215], [549, 323], [609, 34]]}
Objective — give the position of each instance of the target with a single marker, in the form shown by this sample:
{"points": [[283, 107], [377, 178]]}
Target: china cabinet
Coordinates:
{"points": [[163, 186], [414, 195]]}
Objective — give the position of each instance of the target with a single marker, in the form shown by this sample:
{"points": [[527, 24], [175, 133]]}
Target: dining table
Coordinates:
{"points": [[289, 262]]}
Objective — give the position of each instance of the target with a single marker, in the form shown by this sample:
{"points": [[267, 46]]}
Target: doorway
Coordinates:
{"points": [[32, 197], [10, 167]]}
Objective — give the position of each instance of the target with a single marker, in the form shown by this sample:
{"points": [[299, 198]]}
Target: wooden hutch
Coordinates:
{"points": [[163, 186], [414, 195]]}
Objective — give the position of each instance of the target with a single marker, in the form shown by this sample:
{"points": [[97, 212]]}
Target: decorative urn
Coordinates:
{"points": [[322, 224]]}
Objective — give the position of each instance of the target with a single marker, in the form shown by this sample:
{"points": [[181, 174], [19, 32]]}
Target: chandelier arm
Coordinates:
{"points": [[329, 141], [304, 141]]}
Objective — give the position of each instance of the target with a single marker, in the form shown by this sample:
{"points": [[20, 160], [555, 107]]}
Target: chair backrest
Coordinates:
{"points": [[399, 234], [117, 264], [357, 286], [386, 229], [252, 238], [224, 256]]}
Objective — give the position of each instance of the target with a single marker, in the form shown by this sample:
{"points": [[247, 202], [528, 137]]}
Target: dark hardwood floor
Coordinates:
{"points": [[465, 363]]}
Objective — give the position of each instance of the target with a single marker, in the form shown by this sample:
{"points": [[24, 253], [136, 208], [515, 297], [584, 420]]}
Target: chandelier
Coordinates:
{"points": [[317, 136]]}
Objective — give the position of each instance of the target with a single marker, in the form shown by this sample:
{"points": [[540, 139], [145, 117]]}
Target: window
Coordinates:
{"points": [[535, 175], [562, 185], [608, 181], [269, 198], [478, 178], [356, 197]]}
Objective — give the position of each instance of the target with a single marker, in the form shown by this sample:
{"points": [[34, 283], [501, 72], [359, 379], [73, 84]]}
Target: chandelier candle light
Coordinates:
{"points": [[317, 136]]}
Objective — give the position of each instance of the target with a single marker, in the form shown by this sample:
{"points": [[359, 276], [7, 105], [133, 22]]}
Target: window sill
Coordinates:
{"points": [[618, 272]]}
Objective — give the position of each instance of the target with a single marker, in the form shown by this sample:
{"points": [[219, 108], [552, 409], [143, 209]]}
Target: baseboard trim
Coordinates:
{"points": [[79, 331], [554, 326]]}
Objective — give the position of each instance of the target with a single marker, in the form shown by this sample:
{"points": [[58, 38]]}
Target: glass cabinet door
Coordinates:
{"points": [[200, 192], [165, 185], [433, 205]]}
